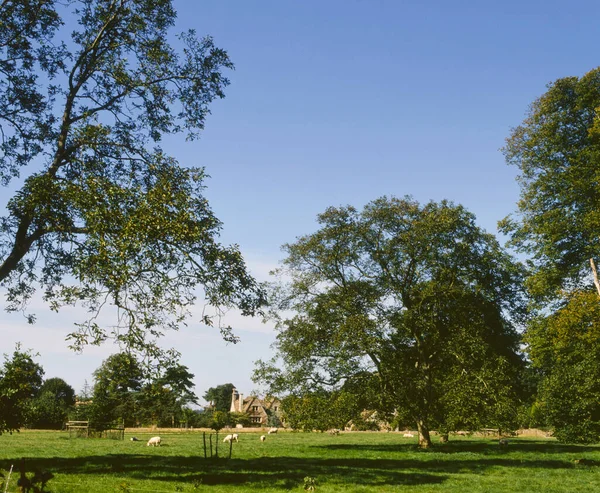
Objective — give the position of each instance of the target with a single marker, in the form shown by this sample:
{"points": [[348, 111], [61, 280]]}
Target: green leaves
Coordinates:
{"points": [[557, 151], [20, 381], [416, 296], [106, 217]]}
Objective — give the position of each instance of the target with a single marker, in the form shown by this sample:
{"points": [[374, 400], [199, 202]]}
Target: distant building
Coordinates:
{"points": [[257, 409]]}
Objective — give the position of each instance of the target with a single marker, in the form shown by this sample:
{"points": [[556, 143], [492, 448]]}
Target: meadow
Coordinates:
{"points": [[350, 462]]}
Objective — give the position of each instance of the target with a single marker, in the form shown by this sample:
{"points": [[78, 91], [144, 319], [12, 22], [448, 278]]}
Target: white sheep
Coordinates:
{"points": [[263, 438], [272, 431], [231, 438], [154, 441], [408, 435]]}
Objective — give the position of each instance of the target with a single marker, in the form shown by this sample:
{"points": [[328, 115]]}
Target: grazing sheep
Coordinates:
{"points": [[408, 435], [154, 441], [272, 431], [503, 442], [263, 438], [334, 431], [134, 439], [231, 438]]}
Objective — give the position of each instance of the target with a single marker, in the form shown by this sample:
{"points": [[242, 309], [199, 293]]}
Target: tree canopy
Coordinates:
{"points": [[20, 381], [557, 151], [101, 215], [125, 390], [50, 408], [219, 397], [565, 346], [416, 295]]}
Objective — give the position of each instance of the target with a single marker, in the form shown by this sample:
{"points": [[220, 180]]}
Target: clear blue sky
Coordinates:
{"points": [[340, 102]]}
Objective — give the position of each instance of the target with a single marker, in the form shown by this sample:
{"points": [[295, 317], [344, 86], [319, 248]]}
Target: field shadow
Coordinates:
{"points": [[288, 472], [480, 447], [272, 472]]}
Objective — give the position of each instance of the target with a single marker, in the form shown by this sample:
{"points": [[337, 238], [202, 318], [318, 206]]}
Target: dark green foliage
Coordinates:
{"points": [[117, 384], [566, 347], [219, 397], [162, 399], [51, 408], [20, 382], [125, 392], [416, 298], [557, 150], [320, 411], [103, 215]]}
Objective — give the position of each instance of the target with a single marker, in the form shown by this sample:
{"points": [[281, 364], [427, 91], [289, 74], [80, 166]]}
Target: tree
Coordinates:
{"points": [[20, 381], [418, 296], [103, 215], [320, 410], [50, 408], [219, 397], [565, 346], [557, 150], [162, 399], [116, 385]]}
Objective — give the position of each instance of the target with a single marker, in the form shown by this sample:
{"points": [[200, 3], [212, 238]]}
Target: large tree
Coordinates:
{"points": [[20, 382], [100, 214], [557, 151], [557, 224], [117, 384], [162, 399], [565, 347], [50, 408], [416, 295]]}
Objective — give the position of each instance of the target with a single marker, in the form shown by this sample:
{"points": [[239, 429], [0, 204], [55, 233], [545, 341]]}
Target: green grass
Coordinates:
{"points": [[351, 462]]}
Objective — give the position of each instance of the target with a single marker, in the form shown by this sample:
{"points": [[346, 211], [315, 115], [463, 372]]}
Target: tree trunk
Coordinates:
{"points": [[424, 438], [595, 274]]}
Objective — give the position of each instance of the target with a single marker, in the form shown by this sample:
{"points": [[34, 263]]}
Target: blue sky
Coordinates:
{"points": [[340, 102]]}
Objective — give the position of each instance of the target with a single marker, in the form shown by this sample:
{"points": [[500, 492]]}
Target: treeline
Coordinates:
{"points": [[123, 392]]}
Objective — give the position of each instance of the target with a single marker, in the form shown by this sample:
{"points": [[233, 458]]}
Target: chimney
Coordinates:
{"points": [[241, 402], [233, 396]]}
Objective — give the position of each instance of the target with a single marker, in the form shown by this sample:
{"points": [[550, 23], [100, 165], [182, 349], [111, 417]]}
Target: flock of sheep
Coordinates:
{"points": [[234, 437], [155, 441]]}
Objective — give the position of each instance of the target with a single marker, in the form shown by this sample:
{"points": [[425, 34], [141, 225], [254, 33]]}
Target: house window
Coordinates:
{"points": [[275, 408], [254, 408], [255, 419]]}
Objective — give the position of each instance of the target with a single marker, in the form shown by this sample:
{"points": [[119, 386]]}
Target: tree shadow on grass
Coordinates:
{"points": [[287, 472], [490, 447]]}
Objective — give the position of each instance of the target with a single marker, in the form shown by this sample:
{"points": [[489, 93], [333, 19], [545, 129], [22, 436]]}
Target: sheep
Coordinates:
{"points": [[408, 435], [272, 431], [263, 438], [134, 439], [334, 431], [503, 442], [231, 438], [154, 441]]}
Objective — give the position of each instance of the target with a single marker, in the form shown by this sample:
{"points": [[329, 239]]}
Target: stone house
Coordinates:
{"points": [[257, 409]]}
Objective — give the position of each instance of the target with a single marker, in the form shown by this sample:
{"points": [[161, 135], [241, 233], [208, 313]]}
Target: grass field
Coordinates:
{"points": [[350, 462]]}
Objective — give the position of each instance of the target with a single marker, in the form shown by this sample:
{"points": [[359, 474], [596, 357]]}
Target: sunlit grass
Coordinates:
{"points": [[351, 462]]}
